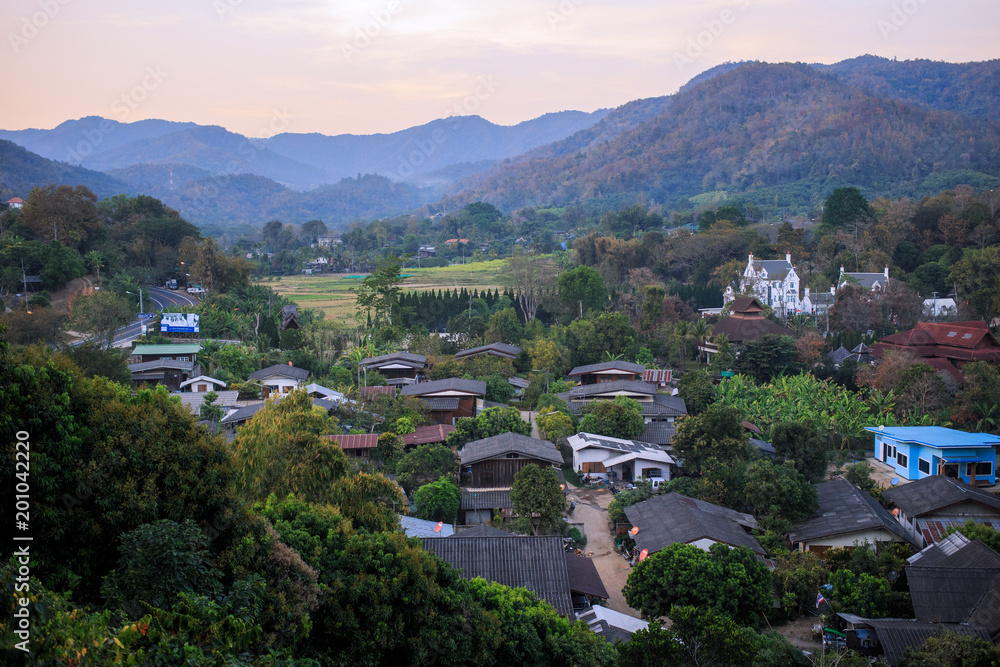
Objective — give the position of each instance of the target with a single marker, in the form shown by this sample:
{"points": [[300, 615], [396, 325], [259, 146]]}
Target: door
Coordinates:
{"points": [[203, 388], [951, 470]]}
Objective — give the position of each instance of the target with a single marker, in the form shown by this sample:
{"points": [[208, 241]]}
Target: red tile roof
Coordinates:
{"points": [[961, 341], [355, 441], [15, 200], [427, 434]]}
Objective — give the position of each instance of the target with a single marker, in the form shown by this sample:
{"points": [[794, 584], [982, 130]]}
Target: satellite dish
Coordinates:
{"points": [[894, 481], [881, 428]]}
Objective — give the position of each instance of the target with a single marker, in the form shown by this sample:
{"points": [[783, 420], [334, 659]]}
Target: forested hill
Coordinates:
{"points": [[787, 130], [21, 170]]}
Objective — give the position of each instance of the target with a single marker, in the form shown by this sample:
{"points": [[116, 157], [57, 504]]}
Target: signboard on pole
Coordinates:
{"points": [[146, 316], [179, 323]]}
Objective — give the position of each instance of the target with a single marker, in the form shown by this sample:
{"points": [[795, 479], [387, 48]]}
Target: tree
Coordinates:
{"points": [[63, 213], [498, 389], [865, 594], [531, 277], [728, 581], [101, 314], [536, 496], [977, 531], [697, 390], [438, 501], [581, 290], [947, 648], [390, 447], [490, 422], [860, 475], [378, 295], [424, 465], [779, 491], [95, 260], [97, 361], [797, 576], [843, 207], [209, 411], [768, 357], [611, 333], [716, 433], [801, 443], [546, 355], [620, 418], [553, 424]]}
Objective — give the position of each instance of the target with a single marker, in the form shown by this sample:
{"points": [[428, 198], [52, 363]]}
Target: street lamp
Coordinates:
{"points": [[141, 309], [539, 370]]}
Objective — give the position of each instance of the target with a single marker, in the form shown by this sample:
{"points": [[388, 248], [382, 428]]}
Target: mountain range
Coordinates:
{"points": [[777, 134]]}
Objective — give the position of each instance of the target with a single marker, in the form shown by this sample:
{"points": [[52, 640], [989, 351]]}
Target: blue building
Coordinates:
{"points": [[915, 452]]}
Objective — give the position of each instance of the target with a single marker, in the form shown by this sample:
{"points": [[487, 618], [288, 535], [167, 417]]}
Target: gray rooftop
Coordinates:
{"points": [[625, 366], [535, 563], [659, 433], [280, 370], [243, 414], [509, 443], [896, 635], [948, 579], [868, 280], [846, 509], [405, 358], [936, 494], [630, 386], [162, 363], [482, 530], [486, 499], [500, 349], [193, 400], [414, 527], [476, 387], [776, 268], [671, 518]]}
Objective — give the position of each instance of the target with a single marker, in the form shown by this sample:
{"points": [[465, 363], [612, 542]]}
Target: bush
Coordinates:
{"points": [[40, 299], [578, 537]]}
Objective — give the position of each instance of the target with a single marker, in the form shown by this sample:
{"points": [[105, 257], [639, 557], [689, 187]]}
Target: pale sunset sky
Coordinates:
{"points": [[337, 66]]}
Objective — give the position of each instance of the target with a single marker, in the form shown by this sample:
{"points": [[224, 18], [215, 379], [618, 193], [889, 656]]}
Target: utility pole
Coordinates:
{"points": [[24, 284]]}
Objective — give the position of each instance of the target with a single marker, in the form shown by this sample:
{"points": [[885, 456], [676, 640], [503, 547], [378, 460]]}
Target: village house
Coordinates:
{"points": [[202, 384], [945, 346], [192, 400], [398, 368], [171, 373], [280, 378], [847, 516], [929, 507], [672, 518], [499, 350], [868, 281], [359, 446], [168, 352], [493, 462], [607, 371], [745, 323], [615, 459], [653, 405], [448, 399], [915, 452], [425, 435]]}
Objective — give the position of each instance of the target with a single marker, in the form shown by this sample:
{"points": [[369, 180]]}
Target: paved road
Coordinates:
{"points": [[155, 299]]}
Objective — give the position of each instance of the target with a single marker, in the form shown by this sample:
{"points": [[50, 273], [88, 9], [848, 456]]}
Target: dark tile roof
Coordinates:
{"points": [[948, 579], [868, 280], [583, 577], [441, 404], [243, 414], [476, 387], [289, 317], [765, 447], [405, 358], [280, 370], [192, 400], [507, 443], [937, 493], [482, 530], [535, 563], [846, 509], [659, 433], [423, 435], [669, 406], [503, 350], [671, 518], [625, 366], [896, 635], [739, 329], [486, 499], [162, 363], [840, 355], [746, 304], [776, 268]]}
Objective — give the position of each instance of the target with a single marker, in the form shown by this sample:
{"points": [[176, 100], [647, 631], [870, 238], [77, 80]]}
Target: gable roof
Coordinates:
{"points": [[404, 358], [200, 378], [937, 493], [619, 449], [746, 304], [161, 363], [535, 563], [482, 530], [671, 518], [935, 436], [846, 509], [866, 280], [613, 387], [243, 414], [949, 578], [170, 348], [659, 433], [504, 350], [739, 328], [423, 435], [289, 317], [963, 341], [896, 635], [280, 370], [624, 366], [840, 355], [461, 385], [192, 400], [508, 443], [776, 268]]}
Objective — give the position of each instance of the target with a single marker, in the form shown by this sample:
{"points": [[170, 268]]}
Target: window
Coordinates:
{"points": [[513, 455], [652, 472], [902, 460], [593, 466], [924, 466], [981, 469]]}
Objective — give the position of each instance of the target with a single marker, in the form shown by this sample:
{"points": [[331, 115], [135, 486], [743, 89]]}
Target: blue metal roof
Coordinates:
{"points": [[935, 436]]}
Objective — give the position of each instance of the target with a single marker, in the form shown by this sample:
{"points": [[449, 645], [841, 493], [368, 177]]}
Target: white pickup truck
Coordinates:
{"points": [[196, 289]]}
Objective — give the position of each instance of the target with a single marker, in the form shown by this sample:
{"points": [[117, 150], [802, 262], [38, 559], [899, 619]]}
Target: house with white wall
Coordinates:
{"points": [[616, 459], [774, 282], [280, 379]]}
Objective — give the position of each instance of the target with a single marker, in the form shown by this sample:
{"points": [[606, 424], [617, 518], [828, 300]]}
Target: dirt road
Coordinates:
{"points": [[591, 510]]}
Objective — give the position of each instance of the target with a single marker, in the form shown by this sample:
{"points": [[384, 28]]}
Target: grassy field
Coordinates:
{"points": [[332, 294]]}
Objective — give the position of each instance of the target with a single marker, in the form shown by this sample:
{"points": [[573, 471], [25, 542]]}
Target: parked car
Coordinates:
{"points": [[657, 483], [196, 289]]}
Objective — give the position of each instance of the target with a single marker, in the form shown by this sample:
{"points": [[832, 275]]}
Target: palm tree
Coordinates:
{"points": [[700, 330], [95, 260], [681, 332]]}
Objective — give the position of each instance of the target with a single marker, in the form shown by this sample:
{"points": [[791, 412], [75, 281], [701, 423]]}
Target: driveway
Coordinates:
{"points": [[592, 511]]}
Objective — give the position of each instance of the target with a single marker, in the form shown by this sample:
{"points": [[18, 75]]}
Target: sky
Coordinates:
{"points": [[260, 67]]}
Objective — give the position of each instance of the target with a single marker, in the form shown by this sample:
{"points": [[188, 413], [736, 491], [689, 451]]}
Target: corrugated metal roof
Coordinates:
{"points": [[949, 578], [161, 363], [935, 436], [583, 576], [441, 404], [624, 366], [846, 509], [414, 527], [423, 435], [535, 563], [486, 499], [897, 635], [672, 517], [508, 443], [172, 348], [280, 370], [937, 493], [475, 387], [355, 441], [503, 350], [371, 391], [406, 358]]}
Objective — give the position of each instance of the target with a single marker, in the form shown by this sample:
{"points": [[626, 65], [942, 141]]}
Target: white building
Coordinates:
{"points": [[774, 282], [280, 379], [869, 281], [616, 459]]}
